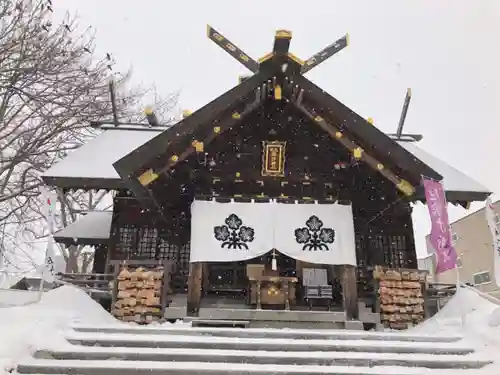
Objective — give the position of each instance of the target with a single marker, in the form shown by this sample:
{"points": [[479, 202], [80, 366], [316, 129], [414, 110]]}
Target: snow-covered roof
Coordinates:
{"points": [[455, 182], [92, 228], [91, 165]]}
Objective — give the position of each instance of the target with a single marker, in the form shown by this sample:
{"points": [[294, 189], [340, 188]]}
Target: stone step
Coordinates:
{"points": [[111, 367], [267, 333], [265, 357], [278, 344]]}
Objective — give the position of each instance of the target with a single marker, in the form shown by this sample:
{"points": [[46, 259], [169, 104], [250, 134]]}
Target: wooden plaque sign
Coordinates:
{"points": [[273, 158]]}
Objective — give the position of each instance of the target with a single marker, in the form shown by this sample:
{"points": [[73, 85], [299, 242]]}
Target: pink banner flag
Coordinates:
{"points": [[440, 238]]}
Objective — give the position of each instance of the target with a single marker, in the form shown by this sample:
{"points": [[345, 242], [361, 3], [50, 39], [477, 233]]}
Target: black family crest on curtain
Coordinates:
{"points": [[234, 235], [314, 236]]}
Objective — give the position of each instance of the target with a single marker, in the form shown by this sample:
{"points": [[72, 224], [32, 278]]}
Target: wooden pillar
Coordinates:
{"points": [[206, 281], [195, 281], [349, 291], [100, 259]]}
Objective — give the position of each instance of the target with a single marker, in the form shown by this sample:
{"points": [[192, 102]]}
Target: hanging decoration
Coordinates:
{"points": [[237, 231]]}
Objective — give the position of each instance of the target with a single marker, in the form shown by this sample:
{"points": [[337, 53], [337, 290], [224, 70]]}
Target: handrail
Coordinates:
{"points": [[482, 294]]}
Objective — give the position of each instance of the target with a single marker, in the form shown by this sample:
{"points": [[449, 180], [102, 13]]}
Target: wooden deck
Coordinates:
{"points": [[234, 309]]}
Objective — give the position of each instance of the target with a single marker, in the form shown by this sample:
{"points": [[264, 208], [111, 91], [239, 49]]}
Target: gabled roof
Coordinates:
{"points": [[91, 165], [91, 229], [280, 68], [132, 151]]}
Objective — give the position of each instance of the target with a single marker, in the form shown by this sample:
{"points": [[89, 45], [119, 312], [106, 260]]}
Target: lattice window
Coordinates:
{"points": [[146, 244], [125, 242]]}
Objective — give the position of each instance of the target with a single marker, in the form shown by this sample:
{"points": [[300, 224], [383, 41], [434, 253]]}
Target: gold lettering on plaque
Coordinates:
{"points": [[273, 158]]}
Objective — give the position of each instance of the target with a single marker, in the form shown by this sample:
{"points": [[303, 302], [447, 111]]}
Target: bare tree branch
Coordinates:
{"points": [[51, 86]]}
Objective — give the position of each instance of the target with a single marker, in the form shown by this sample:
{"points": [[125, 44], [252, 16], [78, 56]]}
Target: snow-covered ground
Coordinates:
{"points": [[473, 316], [25, 329]]}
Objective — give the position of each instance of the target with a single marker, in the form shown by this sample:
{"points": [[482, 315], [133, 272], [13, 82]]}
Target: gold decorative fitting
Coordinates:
{"points": [[467, 205], [148, 111], [186, 113], [236, 116], [147, 177], [370, 120], [273, 291], [216, 129], [318, 119], [198, 146], [295, 58], [283, 34], [357, 152], [266, 57], [277, 92], [238, 174], [380, 166], [406, 188], [283, 195], [347, 39], [338, 134], [307, 198], [174, 158], [237, 196]]}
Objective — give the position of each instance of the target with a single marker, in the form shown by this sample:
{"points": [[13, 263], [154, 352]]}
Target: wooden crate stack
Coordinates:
{"points": [[401, 296], [139, 294]]}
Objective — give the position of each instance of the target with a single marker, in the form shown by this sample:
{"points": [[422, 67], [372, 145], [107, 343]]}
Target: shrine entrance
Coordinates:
{"points": [[269, 255]]}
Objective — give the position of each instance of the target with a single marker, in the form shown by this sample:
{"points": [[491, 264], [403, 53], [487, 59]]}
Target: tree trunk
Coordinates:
{"points": [[72, 261]]}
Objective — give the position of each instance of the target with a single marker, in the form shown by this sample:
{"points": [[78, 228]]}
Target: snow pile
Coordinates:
{"points": [[468, 314], [24, 329]]}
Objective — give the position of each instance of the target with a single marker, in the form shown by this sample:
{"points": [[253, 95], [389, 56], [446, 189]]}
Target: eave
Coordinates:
{"points": [[371, 138]]}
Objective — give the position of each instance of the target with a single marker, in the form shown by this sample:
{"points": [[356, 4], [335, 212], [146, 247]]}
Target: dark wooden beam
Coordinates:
{"points": [[232, 49], [128, 166], [325, 54], [406, 104], [358, 127], [358, 153], [151, 174]]}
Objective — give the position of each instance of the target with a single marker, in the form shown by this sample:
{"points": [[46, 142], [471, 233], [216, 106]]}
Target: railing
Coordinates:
{"points": [[436, 296], [95, 284]]}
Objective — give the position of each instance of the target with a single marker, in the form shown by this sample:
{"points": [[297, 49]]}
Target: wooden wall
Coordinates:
{"points": [[317, 168]]}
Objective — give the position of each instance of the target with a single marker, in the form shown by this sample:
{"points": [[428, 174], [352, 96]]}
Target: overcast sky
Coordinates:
{"points": [[445, 50]]}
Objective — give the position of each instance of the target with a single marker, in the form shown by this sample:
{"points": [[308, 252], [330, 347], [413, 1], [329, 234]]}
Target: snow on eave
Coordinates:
{"points": [[454, 181], [92, 227], [94, 160]]}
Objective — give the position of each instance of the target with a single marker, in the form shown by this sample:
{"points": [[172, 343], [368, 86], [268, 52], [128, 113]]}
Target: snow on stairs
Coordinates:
{"points": [[176, 350]]}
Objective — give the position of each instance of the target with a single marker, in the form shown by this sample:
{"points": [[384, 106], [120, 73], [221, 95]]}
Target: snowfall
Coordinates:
{"points": [[34, 325]]}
